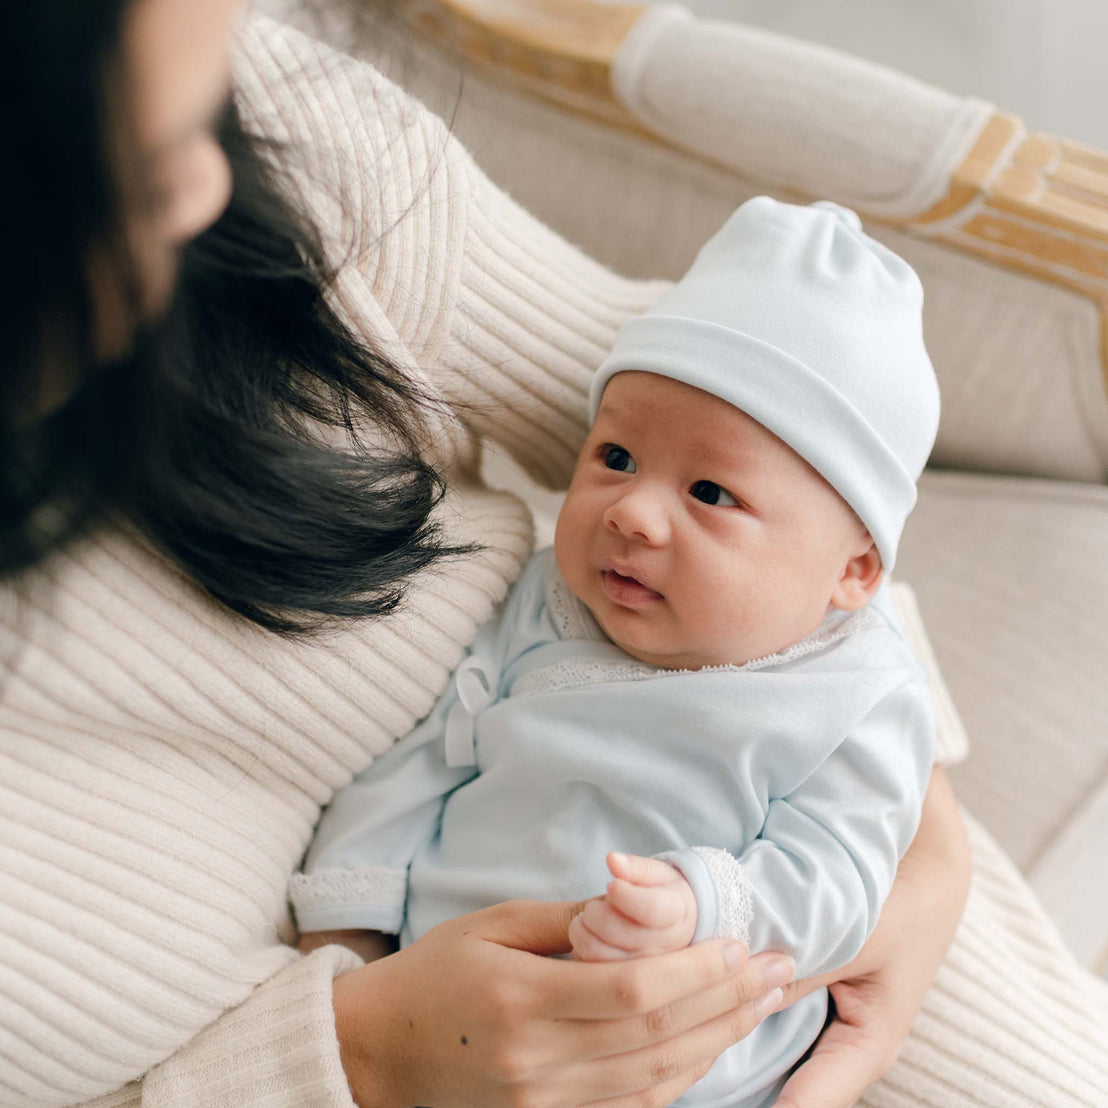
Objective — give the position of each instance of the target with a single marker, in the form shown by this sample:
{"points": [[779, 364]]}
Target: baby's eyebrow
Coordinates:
{"points": [[727, 456], [612, 411]]}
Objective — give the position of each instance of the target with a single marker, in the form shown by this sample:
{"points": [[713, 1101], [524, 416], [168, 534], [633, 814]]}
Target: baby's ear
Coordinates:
{"points": [[860, 580]]}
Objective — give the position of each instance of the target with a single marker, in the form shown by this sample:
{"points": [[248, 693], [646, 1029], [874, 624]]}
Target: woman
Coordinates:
{"points": [[204, 460]]}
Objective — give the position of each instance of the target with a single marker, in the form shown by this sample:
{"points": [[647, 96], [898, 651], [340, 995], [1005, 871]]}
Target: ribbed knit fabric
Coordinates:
{"points": [[162, 763], [1011, 1021]]}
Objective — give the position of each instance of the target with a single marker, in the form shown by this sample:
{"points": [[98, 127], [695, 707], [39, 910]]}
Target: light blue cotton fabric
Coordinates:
{"points": [[801, 320], [786, 790]]}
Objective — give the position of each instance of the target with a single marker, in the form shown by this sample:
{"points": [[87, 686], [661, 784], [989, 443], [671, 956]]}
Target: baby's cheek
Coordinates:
{"points": [[715, 609], [567, 547]]}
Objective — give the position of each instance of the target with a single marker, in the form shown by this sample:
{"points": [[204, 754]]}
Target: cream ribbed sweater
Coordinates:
{"points": [[162, 763]]}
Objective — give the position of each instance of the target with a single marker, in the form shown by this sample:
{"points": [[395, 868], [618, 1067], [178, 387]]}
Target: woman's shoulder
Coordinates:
{"points": [[358, 145], [287, 74], [384, 182]]}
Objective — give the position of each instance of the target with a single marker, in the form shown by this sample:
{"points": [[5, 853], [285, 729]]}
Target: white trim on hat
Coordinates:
{"points": [[787, 397]]}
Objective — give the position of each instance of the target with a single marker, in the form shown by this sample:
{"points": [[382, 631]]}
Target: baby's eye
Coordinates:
{"points": [[615, 457], [710, 493]]}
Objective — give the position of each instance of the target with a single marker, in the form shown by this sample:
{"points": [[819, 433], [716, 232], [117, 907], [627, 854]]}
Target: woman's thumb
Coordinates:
{"points": [[538, 926], [840, 1069]]}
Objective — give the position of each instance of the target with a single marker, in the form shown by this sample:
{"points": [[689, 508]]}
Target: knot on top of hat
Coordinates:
{"points": [[847, 216]]}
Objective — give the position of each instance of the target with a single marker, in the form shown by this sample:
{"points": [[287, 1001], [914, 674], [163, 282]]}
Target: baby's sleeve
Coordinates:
{"points": [[812, 884], [355, 874]]}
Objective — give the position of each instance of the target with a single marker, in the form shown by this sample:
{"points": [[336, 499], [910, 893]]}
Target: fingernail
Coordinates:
{"points": [[779, 971], [734, 954], [768, 1004], [618, 858]]}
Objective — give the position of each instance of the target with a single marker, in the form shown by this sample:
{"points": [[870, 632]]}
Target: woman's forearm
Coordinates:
{"points": [[942, 846]]}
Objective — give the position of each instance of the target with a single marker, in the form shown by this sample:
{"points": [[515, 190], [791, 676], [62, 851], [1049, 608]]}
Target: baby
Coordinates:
{"points": [[704, 673]]}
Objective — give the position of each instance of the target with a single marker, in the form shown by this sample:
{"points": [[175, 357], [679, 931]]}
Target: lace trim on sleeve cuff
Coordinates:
{"points": [[735, 905], [379, 886]]}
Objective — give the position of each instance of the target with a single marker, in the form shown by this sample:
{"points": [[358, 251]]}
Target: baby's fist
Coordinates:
{"points": [[649, 909]]}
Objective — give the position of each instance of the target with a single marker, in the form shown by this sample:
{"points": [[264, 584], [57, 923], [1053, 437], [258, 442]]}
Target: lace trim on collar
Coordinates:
{"points": [[574, 622]]}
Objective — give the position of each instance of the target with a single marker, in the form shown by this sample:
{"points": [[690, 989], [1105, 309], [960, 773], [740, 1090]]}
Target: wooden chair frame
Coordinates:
{"points": [[1026, 201]]}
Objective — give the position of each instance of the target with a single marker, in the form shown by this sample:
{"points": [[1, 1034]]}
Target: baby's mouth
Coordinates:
{"points": [[626, 590]]}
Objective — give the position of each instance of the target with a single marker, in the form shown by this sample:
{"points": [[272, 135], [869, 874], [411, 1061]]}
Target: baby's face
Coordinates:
{"points": [[696, 537]]}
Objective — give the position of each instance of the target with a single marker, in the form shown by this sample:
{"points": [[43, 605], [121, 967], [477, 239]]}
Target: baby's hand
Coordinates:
{"points": [[649, 909]]}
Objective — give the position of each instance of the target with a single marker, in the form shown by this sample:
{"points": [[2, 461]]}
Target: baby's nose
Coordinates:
{"points": [[640, 514]]}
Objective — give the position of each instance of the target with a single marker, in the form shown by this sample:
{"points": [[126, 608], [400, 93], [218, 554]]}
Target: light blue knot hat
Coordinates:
{"points": [[797, 317]]}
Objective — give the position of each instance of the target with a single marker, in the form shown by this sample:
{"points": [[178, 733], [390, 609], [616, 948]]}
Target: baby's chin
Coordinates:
{"points": [[692, 656], [663, 655]]}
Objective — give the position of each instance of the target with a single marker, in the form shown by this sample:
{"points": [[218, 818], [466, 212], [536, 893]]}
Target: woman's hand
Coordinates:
{"points": [[878, 995], [469, 1016]]}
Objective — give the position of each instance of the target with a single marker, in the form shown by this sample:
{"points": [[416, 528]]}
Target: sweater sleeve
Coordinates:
{"points": [[277, 1048], [535, 317], [503, 319]]}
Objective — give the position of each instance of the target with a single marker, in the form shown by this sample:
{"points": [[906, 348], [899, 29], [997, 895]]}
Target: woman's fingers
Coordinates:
{"points": [[659, 1096], [802, 986], [673, 1058], [843, 1065], [733, 997], [614, 990], [536, 926], [488, 1023], [617, 1030]]}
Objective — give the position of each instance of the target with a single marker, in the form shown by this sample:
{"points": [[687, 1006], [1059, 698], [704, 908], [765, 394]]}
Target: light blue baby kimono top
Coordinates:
{"points": [[786, 790]]}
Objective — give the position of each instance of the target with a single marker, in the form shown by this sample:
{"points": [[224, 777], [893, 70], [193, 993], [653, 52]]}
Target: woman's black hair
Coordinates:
{"points": [[200, 434]]}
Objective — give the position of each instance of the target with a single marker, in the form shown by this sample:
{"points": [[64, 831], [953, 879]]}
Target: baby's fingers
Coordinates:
{"points": [[639, 870], [652, 907], [589, 946], [604, 924]]}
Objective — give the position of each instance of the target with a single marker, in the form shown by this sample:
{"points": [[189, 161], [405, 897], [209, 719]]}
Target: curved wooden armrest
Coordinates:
{"points": [[1031, 202], [560, 50]]}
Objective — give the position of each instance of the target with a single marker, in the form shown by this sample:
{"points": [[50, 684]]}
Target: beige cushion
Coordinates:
{"points": [[1011, 576]]}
